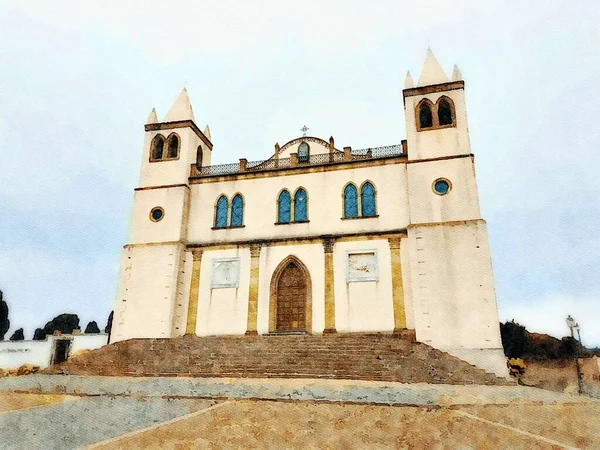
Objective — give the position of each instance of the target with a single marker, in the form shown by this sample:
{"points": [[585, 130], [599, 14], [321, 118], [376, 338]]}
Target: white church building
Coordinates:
{"points": [[315, 239]]}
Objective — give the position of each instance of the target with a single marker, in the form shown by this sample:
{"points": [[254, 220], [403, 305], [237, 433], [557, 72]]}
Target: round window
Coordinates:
{"points": [[157, 214], [441, 186]]}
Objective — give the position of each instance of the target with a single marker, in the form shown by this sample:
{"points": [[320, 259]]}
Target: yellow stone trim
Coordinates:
{"points": [[192, 315], [328, 244], [451, 223], [354, 237], [153, 244], [253, 291], [397, 285]]}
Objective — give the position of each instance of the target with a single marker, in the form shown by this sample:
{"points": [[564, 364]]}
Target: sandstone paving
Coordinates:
{"points": [[308, 425], [576, 424], [10, 401], [74, 424]]}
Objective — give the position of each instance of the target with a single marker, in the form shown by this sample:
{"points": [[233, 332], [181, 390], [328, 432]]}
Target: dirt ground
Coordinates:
{"points": [[291, 425], [12, 402]]}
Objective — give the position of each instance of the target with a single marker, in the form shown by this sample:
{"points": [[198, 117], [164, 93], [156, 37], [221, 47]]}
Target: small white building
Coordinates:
{"points": [[315, 239], [52, 350]]}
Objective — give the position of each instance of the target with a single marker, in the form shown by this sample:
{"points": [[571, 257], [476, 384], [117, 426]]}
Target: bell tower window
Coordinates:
{"points": [[445, 112], [158, 148], [425, 116], [173, 151]]}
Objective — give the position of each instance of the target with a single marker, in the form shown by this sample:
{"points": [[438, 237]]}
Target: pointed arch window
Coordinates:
{"points": [[158, 147], [199, 157], [300, 206], [445, 112], [173, 150], [284, 207], [367, 200], [221, 212], [237, 211], [425, 116], [350, 201]]}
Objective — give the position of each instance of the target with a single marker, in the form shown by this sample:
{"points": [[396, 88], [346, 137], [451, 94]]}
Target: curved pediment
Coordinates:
{"points": [[316, 146]]}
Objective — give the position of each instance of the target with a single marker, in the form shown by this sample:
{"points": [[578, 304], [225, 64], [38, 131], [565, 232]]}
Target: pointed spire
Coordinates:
{"points": [[152, 118], [181, 109], [408, 81], [456, 75], [432, 71], [207, 133]]}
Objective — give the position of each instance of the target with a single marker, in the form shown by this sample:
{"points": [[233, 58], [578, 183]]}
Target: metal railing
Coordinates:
{"points": [[297, 161]]}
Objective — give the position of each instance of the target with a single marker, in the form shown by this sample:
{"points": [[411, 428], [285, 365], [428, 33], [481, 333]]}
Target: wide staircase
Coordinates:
{"points": [[357, 356]]}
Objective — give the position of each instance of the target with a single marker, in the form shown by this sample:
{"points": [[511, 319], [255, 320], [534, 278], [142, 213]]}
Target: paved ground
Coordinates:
{"points": [[155, 423], [132, 413], [354, 391], [85, 420]]}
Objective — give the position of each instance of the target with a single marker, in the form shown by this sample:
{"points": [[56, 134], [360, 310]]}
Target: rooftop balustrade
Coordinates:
{"points": [[336, 157]]}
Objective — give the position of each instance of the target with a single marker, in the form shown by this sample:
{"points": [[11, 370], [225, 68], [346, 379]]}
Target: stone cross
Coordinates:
{"points": [[304, 129]]}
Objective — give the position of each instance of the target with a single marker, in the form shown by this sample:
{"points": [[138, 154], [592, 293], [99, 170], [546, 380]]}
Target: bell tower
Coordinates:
{"points": [[451, 273], [153, 280]]}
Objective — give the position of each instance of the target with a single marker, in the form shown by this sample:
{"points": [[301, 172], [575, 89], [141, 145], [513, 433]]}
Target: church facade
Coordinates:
{"points": [[316, 238]]}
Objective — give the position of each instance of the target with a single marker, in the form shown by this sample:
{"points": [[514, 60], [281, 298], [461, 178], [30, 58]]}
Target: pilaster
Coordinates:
{"points": [[192, 315], [253, 292], [397, 286], [328, 244]]}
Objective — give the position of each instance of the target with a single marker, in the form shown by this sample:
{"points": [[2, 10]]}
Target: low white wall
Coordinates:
{"points": [[14, 354]]}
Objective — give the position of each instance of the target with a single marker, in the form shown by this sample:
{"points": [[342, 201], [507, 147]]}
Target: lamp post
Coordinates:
{"points": [[575, 326]]}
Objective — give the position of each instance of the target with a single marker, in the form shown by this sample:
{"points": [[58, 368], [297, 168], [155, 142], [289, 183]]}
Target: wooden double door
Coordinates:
{"points": [[292, 290]]}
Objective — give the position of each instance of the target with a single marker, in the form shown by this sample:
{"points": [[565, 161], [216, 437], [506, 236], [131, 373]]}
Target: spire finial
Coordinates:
{"points": [[432, 71], [207, 133], [408, 81], [181, 109], [456, 75], [152, 118]]}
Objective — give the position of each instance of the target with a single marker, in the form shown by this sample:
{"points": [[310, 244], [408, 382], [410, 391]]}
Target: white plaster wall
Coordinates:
{"points": [[491, 360], [86, 342], [147, 292], [176, 171], [324, 189], [453, 286], [442, 142], [363, 305], [407, 284], [14, 354], [312, 256], [460, 203], [223, 310], [171, 227]]}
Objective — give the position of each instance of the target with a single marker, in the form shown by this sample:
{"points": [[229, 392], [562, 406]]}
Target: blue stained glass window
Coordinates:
{"points": [[300, 206], [367, 200], [350, 201], [284, 207], [221, 213], [237, 211]]}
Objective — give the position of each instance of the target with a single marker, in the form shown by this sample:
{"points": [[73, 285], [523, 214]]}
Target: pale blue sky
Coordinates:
{"points": [[78, 79]]}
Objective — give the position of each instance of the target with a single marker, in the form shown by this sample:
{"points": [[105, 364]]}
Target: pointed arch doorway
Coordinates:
{"points": [[290, 306]]}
